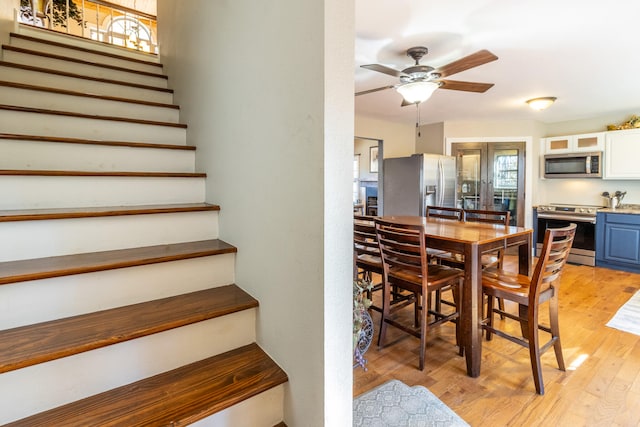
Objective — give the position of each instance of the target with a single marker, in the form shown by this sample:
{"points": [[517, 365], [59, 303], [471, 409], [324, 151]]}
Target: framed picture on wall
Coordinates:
{"points": [[373, 159]]}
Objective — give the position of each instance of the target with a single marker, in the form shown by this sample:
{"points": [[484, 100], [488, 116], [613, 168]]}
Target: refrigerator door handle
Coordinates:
{"points": [[440, 183]]}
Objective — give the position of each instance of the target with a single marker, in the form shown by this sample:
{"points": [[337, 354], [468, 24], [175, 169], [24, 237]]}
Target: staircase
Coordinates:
{"points": [[117, 301]]}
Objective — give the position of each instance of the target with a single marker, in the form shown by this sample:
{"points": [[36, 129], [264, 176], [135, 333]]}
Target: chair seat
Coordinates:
{"points": [[438, 275], [511, 286], [372, 261]]}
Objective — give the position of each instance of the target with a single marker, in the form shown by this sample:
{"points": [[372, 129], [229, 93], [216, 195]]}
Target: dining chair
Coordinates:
{"points": [[443, 212], [367, 261], [530, 293], [491, 259], [405, 265]]}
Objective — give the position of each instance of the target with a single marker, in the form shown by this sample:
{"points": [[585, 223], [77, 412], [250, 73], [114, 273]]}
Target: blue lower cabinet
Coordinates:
{"points": [[618, 241]]}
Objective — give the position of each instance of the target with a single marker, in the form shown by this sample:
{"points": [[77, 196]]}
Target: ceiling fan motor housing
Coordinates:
{"points": [[417, 52]]}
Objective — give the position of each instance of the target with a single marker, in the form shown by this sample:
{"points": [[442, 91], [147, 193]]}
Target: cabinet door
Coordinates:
{"points": [[589, 142], [557, 144], [622, 243], [622, 150], [575, 143]]}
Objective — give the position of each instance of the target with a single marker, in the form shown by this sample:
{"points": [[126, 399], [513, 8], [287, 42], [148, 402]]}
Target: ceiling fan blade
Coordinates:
{"points": [[364, 92], [465, 86], [383, 69], [475, 59]]}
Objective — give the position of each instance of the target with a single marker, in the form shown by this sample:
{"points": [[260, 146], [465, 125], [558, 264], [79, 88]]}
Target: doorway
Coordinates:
{"points": [[491, 176], [368, 176]]}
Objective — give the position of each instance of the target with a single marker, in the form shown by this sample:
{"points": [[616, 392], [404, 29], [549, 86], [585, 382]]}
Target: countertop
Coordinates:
{"points": [[623, 209]]}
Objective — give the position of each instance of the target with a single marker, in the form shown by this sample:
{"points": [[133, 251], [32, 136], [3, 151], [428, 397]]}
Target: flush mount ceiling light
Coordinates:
{"points": [[541, 103], [416, 92]]}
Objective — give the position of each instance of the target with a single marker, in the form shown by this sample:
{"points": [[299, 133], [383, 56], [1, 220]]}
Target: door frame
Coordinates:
{"points": [[528, 165]]}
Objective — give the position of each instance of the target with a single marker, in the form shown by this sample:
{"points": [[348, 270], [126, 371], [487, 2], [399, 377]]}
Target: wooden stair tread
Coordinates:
{"points": [[89, 116], [82, 49], [29, 172], [81, 76], [65, 265], [42, 342], [80, 61], [94, 141], [86, 95], [91, 212], [174, 398]]}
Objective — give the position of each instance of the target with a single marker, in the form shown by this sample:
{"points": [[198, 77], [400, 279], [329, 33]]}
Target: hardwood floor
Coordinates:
{"points": [[600, 387]]}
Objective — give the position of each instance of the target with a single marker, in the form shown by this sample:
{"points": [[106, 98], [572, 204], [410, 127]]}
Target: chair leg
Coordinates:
{"points": [[457, 298], [423, 329], [555, 331], [501, 307], [384, 314], [534, 348], [489, 319]]}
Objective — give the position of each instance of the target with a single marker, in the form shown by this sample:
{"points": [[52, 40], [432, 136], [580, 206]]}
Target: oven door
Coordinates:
{"points": [[583, 250]]}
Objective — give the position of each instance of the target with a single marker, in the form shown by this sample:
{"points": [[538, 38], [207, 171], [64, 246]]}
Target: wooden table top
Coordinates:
{"points": [[458, 231]]}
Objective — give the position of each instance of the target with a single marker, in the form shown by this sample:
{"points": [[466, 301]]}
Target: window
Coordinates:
{"points": [[506, 171]]}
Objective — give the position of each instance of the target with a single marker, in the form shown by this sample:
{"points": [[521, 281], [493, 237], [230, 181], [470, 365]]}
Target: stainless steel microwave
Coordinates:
{"points": [[573, 165]]}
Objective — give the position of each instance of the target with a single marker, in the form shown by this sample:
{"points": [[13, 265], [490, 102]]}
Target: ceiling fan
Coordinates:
{"points": [[418, 82]]}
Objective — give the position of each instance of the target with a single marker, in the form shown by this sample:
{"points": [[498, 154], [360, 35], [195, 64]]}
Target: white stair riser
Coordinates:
{"points": [[263, 410], [42, 155], [86, 44], [41, 192], [46, 238], [17, 75], [23, 122], [80, 104], [38, 301], [83, 69], [47, 385]]}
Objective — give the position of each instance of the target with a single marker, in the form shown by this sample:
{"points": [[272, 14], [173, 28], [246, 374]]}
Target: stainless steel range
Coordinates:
{"points": [[583, 250]]}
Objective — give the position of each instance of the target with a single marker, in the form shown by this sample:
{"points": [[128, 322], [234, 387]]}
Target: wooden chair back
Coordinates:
{"points": [[489, 217], [445, 213], [366, 253], [404, 255], [553, 257]]}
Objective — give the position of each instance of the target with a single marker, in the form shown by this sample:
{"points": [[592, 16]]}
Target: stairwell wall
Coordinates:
{"points": [[7, 21], [267, 91]]}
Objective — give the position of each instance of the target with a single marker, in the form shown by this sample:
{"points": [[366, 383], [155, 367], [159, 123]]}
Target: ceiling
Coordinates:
{"points": [[587, 54]]}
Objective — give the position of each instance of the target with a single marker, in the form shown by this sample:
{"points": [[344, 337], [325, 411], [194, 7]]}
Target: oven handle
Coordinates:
{"points": [[591, 220]]}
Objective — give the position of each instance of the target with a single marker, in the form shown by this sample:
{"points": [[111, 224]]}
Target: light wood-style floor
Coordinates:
{"points": [[601, 386]]}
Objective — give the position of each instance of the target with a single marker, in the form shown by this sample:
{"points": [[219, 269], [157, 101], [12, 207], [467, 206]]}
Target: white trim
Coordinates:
{"points": [[528, 166]]}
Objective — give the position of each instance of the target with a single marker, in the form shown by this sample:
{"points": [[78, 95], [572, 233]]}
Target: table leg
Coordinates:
{"points": [[472, 309], [524, 257]]}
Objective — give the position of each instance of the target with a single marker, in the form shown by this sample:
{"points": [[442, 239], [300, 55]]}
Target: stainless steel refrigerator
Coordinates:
{"points": [[412, 183]]}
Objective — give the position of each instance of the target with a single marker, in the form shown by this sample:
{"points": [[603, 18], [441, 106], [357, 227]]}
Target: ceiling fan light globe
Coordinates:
{"points": [[541, 103], [417, 92]]}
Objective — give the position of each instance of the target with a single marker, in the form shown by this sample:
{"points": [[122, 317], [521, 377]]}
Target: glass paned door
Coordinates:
{"points": [[491, 177]]}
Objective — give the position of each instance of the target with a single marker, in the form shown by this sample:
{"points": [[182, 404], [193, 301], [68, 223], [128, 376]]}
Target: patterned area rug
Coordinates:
{"points": [[396, 404], [627, 318]]}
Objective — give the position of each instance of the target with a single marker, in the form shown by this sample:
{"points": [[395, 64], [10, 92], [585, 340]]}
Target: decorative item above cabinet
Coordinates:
{"points": [[622, 151], [574, 143]]}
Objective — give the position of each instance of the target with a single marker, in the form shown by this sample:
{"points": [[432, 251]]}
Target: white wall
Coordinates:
{"points": [[363, 147], [7, 20], [399, 138], [267, 91]]}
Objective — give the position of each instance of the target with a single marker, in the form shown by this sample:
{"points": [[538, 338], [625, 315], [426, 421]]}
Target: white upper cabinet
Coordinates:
{"points": [[574, 143], [622, 151]]}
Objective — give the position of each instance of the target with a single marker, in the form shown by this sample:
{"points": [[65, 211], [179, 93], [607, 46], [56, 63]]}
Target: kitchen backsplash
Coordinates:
{"points": [[584, 191]]}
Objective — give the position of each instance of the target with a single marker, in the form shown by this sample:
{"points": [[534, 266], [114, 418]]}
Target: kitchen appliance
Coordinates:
{"points": [[573, 165], [412, 183], [583, 250]]}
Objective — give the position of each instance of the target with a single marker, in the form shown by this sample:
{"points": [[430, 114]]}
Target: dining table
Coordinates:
{"points": [[472, 239]]}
